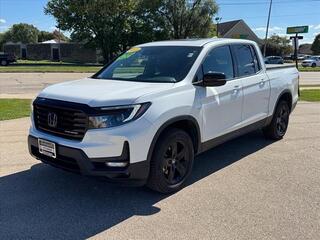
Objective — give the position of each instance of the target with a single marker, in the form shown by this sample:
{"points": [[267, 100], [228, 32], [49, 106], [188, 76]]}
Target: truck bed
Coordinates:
{"points": [[279, 66]]}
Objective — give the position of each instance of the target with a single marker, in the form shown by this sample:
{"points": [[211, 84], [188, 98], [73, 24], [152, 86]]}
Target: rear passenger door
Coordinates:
{"points": [[221, 106], [255, 83]]}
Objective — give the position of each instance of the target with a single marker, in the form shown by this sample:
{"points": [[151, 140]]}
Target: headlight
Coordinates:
{"points": [[116, 116]]}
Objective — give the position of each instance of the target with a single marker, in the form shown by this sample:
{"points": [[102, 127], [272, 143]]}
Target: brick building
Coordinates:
{"points": [[52, 50]]}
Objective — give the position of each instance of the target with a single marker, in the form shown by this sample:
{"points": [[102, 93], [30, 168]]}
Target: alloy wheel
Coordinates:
{"points": [[282, 120], [175, 162]]}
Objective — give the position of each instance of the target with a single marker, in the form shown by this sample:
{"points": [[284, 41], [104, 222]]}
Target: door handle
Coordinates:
{"points": [[262, 82]]}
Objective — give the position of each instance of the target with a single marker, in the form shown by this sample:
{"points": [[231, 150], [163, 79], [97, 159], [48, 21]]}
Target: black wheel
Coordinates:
{"points": [[4, 62], [171, 162], [313, 65], [279, 124]]}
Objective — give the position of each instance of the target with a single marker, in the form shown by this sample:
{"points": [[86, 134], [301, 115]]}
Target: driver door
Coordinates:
{"points": [[221, 106]]}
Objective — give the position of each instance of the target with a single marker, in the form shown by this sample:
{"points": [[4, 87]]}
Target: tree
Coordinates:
{"points": [[316, 45], [22, 32], [184, 18], [45, 36], [59, 35], [2, 41], [279, 46], [113, 26], [102, 23]]}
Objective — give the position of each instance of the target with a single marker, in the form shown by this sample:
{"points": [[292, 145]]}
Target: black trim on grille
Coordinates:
{"points": [[72, 118]]}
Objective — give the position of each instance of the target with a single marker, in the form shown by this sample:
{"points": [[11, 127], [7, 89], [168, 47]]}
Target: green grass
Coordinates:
{"points": [[20, 61], [53, 68], [309, 69], [17, 108], [14, 108], [311, 95]]}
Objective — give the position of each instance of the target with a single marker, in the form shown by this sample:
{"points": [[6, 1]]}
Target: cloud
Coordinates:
{"points": [[2, 20], [259, 29], [271, 29], [3, 28]]}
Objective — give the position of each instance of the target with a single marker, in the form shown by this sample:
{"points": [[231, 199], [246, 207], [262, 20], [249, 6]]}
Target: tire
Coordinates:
{"points": [[4, 62], [171, 162], [313, 65], [279, 123]]}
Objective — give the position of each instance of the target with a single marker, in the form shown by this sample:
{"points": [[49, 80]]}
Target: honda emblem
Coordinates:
{"points": [[52, 119]]}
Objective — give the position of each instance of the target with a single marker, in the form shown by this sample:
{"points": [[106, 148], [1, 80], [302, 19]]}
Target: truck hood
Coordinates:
{"points": [[101, 92]]}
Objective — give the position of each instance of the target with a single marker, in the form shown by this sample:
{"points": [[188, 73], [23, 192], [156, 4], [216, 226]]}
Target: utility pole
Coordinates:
{"points": [[59, 41], [218, 19], [266, 38]]}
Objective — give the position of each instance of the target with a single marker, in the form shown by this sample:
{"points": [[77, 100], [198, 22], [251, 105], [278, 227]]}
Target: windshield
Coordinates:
{"points": [[152, 64]]}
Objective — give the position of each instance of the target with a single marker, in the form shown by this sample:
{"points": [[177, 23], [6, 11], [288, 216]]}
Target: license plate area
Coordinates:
{"points": [[47, 148]]}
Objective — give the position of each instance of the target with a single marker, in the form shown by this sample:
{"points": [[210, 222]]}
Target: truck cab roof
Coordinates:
{"points": [[197, 42]]}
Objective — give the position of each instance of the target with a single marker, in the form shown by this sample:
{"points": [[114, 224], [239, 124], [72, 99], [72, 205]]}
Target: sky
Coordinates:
{"points": [[254, 12]]}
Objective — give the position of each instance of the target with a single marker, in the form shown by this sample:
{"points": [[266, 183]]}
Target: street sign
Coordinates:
{"points": [[298, 29]]}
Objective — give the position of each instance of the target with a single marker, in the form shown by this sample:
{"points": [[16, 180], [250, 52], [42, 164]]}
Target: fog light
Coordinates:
{"points": [[116, 164]]}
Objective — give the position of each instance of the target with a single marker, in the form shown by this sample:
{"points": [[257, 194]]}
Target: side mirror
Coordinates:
{"points": [[214, 79]]}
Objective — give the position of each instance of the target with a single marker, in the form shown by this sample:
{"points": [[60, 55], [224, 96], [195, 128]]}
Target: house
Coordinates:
{"points": [[52, 50], [305, 49], [237, 29]]}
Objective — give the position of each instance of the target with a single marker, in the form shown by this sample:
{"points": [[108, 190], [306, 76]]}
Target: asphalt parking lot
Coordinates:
{"points": [[27, 85], [249, 188]]}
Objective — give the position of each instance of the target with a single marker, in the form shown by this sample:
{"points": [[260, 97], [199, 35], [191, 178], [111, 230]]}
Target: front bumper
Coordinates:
{"points": [[76, 160]]}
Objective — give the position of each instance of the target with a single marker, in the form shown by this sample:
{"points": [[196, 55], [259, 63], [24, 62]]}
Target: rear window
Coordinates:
{"points": [[256, 59], [245, 60]]}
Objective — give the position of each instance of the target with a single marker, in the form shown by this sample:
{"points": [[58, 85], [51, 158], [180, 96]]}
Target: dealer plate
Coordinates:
{"points": [[47, 148]]}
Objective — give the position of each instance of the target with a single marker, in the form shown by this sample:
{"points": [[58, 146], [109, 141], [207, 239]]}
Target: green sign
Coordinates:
{"points": [[299, 29]]}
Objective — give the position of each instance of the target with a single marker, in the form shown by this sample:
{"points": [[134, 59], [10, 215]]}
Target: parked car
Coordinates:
{"points": [[313, 61], [301, 57], [6, 58], [274, 60], [288, 57], [143, 118]]}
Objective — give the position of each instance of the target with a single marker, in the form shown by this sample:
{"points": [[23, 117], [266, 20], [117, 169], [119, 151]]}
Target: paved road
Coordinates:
{"points": [[27, 85], [310, 78], [248, 188]]}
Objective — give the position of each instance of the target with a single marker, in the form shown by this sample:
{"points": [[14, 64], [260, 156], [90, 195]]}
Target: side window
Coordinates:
{"points": [[245, 61], [219, 60], [256, 59]]}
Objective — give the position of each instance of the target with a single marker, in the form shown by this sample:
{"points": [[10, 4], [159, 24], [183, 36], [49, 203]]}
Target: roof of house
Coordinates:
{"points": [[226, 27], [305, 49], [53, 41]]}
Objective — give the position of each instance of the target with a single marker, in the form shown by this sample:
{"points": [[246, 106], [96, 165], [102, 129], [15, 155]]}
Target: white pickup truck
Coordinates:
{"points": [[144, 117]]}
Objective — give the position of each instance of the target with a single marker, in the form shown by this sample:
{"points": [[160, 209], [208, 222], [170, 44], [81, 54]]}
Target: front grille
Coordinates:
{"points": [[71, 120]]}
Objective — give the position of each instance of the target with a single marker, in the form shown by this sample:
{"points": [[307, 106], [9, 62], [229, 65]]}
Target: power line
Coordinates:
{"points": [[277, 16], [265, 2], [266, 38]]}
